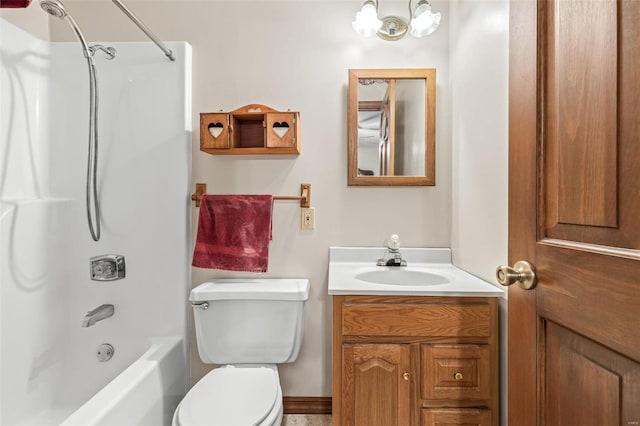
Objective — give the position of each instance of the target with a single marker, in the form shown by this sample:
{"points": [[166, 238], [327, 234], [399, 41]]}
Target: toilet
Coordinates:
{"points": [[247, 326]]}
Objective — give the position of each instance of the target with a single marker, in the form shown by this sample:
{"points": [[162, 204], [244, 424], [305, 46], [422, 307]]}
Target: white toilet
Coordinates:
{"points": [[247, 326]]}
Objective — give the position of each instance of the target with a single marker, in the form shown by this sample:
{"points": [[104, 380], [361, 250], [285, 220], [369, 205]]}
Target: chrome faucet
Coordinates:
{"points": [[392, 257], [98, 314]]}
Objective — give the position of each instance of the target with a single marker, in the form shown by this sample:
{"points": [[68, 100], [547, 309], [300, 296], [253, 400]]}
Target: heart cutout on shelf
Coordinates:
{"points": [[281, 129], [215, 129]]}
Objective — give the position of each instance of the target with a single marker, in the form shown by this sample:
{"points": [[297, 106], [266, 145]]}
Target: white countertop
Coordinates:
{"points": [[347, 262]]}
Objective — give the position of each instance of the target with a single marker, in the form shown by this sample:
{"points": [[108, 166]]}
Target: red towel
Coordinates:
{"points": [[14, 3], [234, 232]]}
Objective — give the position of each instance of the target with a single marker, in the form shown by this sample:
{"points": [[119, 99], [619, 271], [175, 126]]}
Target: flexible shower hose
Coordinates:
{"points": [[92, 160]]}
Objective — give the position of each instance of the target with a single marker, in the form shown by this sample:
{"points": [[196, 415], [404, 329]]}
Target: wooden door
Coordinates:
{"points": [[574, 212], [374, 391]]}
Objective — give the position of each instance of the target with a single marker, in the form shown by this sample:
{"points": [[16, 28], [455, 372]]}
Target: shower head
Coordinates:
{"points": [[56, 8], [53, 8]]}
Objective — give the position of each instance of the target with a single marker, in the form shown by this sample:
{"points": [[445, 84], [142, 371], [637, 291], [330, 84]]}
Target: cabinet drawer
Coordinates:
{"points": [[455, 372], [416, 319], [455, 416]]}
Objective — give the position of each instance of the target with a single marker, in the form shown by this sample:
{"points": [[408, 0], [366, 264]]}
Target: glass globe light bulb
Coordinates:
{"points": [[367, 22]]}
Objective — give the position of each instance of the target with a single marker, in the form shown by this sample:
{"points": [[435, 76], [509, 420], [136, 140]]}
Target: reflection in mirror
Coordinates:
{"points": [[391, 127], [373, 125]]}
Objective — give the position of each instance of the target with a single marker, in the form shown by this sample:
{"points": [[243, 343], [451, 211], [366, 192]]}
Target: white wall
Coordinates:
{"points": [[30, 19], [296, 55], [479, 123]]}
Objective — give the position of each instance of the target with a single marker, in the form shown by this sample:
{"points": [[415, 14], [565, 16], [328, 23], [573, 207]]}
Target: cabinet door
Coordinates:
{"points": [[375, 388], [214, 130], [281, 129], [455, 416]]}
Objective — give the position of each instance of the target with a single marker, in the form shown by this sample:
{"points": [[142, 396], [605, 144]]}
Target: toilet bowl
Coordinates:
{"points": [[233, 396], [247, 326]]}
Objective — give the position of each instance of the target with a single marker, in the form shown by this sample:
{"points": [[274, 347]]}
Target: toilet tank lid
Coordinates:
{"points": [[251, 289]]}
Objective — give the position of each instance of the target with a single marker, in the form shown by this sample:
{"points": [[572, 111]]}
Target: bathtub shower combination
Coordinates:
{"points": [[128, 364]]}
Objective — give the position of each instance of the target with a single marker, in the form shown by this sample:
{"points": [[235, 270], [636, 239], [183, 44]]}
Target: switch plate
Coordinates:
{"points": [[308, 218]]}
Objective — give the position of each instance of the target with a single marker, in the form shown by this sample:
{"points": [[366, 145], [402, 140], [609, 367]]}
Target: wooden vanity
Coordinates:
{"points": [[415, 360]]}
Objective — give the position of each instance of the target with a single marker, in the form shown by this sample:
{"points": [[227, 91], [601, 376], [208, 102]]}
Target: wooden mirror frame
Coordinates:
{"points": [[429, 179]]}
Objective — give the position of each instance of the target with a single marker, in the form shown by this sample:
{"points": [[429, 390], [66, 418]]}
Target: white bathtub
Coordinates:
{"points": [[146, 393]]}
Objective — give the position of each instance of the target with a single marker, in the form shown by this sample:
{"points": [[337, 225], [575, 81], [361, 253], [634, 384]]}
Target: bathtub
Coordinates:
{"points": [[146, 393]]}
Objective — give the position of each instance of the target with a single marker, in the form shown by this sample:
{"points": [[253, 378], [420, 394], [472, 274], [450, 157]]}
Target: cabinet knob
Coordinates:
{"points": [[405, 376], [458, 376]]}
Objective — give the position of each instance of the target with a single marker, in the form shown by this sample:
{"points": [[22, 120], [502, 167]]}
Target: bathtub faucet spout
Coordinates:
{"points": [[98, 314]]}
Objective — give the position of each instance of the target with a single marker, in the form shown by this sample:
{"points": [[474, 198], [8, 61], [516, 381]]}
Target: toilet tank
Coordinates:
{"points": [[249, 321]]}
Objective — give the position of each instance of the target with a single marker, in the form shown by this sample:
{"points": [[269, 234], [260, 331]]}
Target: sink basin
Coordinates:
{"points": [[401, 277], [353, 271]]}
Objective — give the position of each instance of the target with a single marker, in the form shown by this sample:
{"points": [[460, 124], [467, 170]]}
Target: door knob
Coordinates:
{"points": [[521, 273]]}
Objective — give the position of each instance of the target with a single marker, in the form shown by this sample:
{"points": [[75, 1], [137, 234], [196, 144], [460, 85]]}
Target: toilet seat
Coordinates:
{"points": [[230, 396]]}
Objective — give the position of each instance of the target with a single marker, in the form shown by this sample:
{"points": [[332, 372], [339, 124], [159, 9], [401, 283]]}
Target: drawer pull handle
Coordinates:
{"points": [[458, 376], [405, 376]]}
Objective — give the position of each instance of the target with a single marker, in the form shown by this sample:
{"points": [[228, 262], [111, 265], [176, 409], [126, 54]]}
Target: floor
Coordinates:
{"points": [[306, 420]]}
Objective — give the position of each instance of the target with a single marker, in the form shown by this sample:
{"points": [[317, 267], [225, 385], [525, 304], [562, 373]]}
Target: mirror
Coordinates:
{"points": [[392, 127]]}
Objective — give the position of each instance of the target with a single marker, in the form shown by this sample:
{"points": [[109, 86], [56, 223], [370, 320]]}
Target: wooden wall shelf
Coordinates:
{"points": [[251, 130]]}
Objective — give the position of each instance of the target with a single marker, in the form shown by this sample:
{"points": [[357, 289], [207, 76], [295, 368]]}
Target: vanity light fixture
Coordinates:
{"points": [[422, 22]]}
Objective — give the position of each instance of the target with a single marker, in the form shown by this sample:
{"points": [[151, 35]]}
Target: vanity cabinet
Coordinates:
{"points": [[415, 360], [251, 130]]}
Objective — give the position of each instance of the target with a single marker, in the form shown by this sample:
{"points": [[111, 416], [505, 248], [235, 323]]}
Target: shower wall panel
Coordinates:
{"points": [[144, 172], [48, 365], [32, 286]]}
